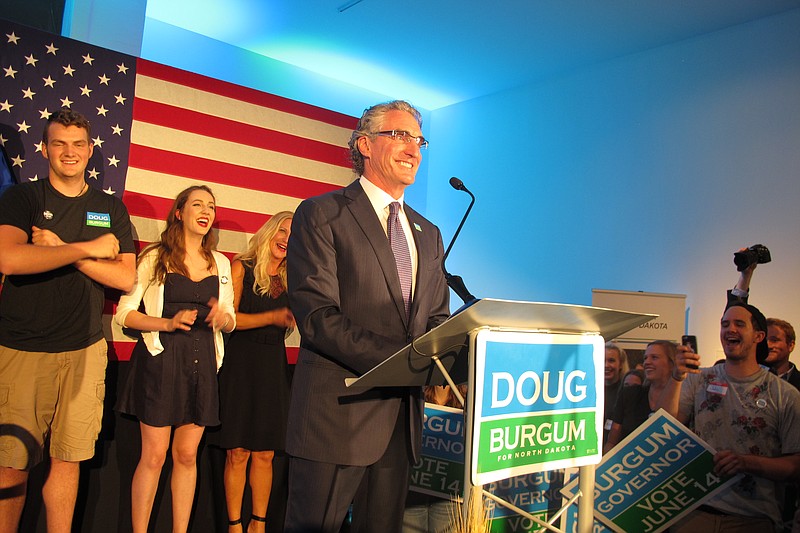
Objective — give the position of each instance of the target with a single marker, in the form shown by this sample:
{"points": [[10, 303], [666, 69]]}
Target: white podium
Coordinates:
{"points": [[535, 378]]}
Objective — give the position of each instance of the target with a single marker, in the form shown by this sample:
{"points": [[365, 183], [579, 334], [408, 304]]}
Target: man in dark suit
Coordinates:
{"points": [[356, 305]]}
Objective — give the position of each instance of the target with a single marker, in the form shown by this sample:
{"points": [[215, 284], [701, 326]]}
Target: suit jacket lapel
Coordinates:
{"points": [[365, 217]]}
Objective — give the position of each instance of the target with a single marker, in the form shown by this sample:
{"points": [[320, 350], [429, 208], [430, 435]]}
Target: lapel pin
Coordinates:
{"points": [[417, 227]]}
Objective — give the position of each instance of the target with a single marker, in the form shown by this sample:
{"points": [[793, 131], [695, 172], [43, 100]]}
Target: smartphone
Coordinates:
{"points": [[691, 342]]}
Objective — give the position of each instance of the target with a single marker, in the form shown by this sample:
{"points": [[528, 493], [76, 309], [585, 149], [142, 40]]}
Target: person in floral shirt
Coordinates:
{"points": [[750, 416]]}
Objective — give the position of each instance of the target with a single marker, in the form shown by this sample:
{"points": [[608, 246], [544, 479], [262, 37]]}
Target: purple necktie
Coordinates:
{"points": [[399, 244]]}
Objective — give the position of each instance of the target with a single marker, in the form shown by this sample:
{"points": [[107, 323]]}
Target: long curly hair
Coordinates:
{"points": [[258, 253], [171, 248]]}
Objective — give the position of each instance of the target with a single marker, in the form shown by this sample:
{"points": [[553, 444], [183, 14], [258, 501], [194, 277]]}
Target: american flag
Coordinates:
{"points": [[158, 130]]}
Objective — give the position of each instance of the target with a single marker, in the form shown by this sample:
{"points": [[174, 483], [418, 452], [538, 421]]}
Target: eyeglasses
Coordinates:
{"points": [[404, 137]]}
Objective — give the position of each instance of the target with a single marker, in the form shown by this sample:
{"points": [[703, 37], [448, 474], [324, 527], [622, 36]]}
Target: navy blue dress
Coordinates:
{"points": [[179, 385]]}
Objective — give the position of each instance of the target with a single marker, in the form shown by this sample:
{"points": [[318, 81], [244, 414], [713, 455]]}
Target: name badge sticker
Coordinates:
{"points": [[98, 220], [718, 388]]}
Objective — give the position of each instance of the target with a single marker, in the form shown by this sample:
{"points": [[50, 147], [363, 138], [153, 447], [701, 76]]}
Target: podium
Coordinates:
{"points": [[535, 379]]}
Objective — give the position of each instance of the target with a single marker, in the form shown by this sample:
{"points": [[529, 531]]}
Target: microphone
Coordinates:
{"points": [[455, 282], [458, 185]]}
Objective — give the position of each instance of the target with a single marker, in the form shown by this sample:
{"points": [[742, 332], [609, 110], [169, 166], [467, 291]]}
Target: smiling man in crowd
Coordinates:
{"points": [[746, 413], [61, 242]]}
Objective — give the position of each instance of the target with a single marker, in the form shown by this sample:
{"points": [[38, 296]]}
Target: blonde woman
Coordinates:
{"points": [[637, 402], [188, 302], [254, 381]]}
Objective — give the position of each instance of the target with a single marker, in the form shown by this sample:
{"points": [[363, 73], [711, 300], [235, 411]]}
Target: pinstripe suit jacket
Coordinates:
{"points": [[345, 294]]}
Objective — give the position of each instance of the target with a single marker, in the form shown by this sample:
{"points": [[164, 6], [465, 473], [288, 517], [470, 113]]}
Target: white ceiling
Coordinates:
{"points": [[439, 52]]}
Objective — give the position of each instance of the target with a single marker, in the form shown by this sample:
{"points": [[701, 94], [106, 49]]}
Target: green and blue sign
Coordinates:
{"points": [[655, 476], [440, 472], [537, 403]]}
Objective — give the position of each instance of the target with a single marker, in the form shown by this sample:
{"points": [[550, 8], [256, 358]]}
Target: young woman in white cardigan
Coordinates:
{"points": [[188, 302]]}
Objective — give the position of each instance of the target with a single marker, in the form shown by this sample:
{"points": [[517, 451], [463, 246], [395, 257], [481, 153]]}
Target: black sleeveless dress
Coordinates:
{"points": [[179, 385], [254, 379]]}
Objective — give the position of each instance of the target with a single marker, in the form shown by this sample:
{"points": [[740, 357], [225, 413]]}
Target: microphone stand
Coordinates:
{"points": [[455, 282]]}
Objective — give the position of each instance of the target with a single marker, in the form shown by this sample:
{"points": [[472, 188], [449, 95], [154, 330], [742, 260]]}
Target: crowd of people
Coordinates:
{"points": [[361, 272], [746, 407]]}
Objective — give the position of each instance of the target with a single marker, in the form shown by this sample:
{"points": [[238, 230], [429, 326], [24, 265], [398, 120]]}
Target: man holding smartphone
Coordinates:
{"points": [[748, 415]]}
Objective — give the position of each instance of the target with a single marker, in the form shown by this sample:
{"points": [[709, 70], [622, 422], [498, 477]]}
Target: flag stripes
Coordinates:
{"points": [[175, 164], [259, 153], [180, 119]]}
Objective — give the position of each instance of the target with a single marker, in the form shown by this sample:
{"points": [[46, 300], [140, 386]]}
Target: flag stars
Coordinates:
{"points": [[109, 191], [68, 71], [122, 69], [120, 99], [34, 178], [17, 161], [51, 49], [66, 102], [27, 93], [102, 110], [49, 82], [12, 38], [23, 127], [103, 79], [87, 59], [44, 114], [93, 173], [2, 140], [98, 141], [30, 60], [85, 90], [113, 161], [117, 130], [5, 106], [39, 146], [10, 72]]}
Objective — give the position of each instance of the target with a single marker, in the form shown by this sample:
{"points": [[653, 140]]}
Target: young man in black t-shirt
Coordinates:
{"points": [[61, 242]]}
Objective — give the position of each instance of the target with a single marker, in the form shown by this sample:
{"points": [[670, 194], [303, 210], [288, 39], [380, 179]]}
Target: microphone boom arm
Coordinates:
{"points": [[455, 282]]}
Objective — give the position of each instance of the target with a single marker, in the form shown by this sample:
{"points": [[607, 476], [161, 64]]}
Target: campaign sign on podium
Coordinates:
{"points": [[550, 359], [538, 403]]}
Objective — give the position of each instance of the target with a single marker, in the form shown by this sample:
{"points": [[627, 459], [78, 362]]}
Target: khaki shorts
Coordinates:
{"points": [[55, 394]]}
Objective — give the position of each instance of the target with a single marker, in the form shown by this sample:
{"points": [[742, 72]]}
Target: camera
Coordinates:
{"points": [[756, 254]]}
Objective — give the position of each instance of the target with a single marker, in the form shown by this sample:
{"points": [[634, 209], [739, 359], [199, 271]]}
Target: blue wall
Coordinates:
{"points": [[643, 173]]}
